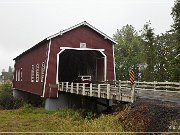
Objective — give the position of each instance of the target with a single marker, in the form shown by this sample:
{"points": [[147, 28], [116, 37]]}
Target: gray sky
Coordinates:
{"points": [[23, 23]]}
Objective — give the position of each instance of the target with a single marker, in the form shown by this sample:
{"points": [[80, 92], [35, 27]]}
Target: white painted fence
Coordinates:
{"points": [[122, 90], [119, 90]]}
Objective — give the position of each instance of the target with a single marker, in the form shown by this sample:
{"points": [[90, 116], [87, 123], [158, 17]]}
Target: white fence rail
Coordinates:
{"points": [[122, 90], [119, 90], [159, 86]]}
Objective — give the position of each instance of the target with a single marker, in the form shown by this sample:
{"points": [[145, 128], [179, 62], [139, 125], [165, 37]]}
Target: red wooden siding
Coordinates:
{"points": [[37, 56]]}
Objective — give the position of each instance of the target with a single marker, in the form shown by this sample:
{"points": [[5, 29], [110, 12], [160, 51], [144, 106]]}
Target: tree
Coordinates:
{"points": [[164, 54], [149, 50], [175, 63], [128, 52]]}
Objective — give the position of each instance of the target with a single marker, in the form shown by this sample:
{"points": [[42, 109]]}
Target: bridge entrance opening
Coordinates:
{"points": [[81, 62]]}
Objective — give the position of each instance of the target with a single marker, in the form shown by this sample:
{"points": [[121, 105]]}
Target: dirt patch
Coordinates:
{"points": [[146, 115]]}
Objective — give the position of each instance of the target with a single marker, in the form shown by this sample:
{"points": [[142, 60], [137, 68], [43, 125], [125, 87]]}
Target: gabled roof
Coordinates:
{"points": [[78, 25], [67, 30]]}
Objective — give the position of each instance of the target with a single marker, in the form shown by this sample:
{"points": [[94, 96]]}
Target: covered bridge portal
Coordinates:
{"points": [[74, 62]]}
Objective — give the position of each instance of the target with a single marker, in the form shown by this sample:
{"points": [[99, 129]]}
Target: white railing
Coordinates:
{"points": [[117, 90], [158, 86], [122, 90]]}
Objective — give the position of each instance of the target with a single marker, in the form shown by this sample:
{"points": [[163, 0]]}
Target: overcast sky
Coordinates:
{"points": [[23, 23]]}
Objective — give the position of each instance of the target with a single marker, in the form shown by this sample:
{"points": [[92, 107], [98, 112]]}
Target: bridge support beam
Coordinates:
{"points": [[68, 100]]}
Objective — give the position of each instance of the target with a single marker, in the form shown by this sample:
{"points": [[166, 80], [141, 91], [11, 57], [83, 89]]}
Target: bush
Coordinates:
{"points": [[7, 101]]}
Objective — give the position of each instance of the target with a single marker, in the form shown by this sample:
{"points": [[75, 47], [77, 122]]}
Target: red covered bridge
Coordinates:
{"points": [[79, 50]]}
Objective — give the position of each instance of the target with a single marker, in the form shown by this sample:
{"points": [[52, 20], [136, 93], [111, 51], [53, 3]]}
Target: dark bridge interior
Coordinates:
{"points": [[73, 63]]}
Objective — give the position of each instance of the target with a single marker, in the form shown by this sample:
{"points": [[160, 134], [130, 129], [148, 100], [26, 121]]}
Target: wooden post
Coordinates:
{"points": [[72, 87], [66, 86], [77, 88], [58, 85], [62, 86], [83, 88], [154, 88], [99, 90], [90, 89], [108, 91], [154, 85], [119, 91], [132, 93]]}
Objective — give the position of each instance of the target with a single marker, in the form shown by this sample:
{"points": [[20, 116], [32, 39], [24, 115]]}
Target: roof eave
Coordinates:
{"points": [[82, 23]]}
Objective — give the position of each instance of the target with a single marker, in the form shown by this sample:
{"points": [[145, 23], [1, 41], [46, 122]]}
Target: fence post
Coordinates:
{"points": [[133, 93], [77, 88], [90, 89], [72, 87], [154, 85], [108, 91], [144, 85], [66, 86], [119, 88], [99, 92], [62, 86], [83, 88]]}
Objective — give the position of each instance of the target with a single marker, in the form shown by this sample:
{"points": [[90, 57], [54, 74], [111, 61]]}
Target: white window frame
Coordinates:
{"points": [[37, 72], [16, 75], [21, 74], [32, 73], [42, 71], [82, 45]]}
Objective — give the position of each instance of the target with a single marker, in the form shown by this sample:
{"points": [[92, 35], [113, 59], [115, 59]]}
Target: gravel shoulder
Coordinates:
{"points": [[149, 115]]}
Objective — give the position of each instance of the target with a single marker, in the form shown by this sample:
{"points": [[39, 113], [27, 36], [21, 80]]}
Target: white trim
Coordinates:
{"points": [[21, 74], [88, 49], [16, 75], [47, 63], [42, 71], [32, 73], [37, 72], [82, 23], [114, 63], [105, 65], [57, 66], [100, 50]]}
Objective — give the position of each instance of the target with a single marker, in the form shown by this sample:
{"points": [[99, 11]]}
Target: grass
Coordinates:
{"points": [[30, 119]]}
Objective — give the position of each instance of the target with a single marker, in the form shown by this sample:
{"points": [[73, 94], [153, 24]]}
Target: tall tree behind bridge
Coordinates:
{"points": [[128, 52], [175, 63], [149, 50], [165, 44]]}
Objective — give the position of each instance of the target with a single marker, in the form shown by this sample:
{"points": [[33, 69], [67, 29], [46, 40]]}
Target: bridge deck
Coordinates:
{"points": [[121, 90]]}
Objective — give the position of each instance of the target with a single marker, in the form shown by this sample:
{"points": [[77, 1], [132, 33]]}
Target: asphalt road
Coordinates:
{"points": [[163, 96]]}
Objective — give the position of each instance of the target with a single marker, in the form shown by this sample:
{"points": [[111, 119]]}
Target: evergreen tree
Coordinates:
{"points": [[149, 50], [128, 52], [175, 62]]}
